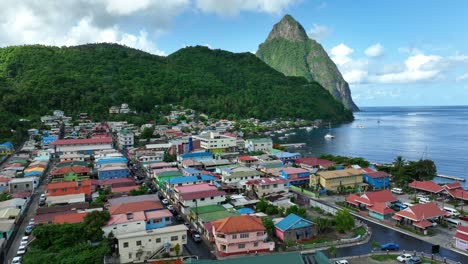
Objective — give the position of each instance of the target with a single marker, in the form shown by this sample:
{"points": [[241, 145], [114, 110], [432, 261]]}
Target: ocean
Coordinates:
{"points": [[380, 134]]}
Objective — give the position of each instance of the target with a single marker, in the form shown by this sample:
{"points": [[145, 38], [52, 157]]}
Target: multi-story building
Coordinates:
{"points": [[267, 185], [67, 188], [259, 144], [125, 139], [137, 221], [332, 180], [82, 146], [295, 176], [19, 185], [237, 235], [216, 143], [194, 195]]}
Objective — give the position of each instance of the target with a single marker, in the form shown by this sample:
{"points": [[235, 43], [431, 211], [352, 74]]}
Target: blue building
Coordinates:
{"points": [[183, 180], [295, 176], [294, 228], [191, 172], [377, 179], [112, 172], [196, 156], [287, 157], [158, 219], [110, 160], [47, 140], [6, 148]]}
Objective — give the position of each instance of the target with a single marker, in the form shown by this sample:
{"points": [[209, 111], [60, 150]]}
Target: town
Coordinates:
{"points": [[205, 191]]}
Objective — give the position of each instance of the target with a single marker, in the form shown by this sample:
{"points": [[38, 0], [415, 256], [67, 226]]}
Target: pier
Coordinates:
{"points": [[293, 145], [451, 177]]}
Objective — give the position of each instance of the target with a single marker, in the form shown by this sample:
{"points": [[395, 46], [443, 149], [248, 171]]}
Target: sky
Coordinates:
{"points": [[392, 53]]}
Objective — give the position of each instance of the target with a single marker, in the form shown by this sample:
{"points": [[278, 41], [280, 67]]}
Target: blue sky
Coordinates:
{"points": [[391, 52]]}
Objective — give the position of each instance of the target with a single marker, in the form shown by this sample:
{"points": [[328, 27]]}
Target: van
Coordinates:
{"points": [[424, 200], [399, 206], [408, 204], [452, 211], [453, 221], [397, 190]]}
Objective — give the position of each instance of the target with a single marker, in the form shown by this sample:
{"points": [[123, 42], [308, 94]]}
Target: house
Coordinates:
{"points": [[265, 186], [77, 170], [215, 142], [15, 203], [141, 245], [287, 157], [378, 203], [294, 228], [189, 180], [70, 218], [131, 199], [295, 176], [419, 215], [203, 216], [426, 186], [83, 146], [376, 179], [274, 258], [131, 207], [315, 164], [6, 148], [71, 157], [246, 160], [125, 223], [66, 188], [21, 185], [381, 211], [457, 193], [7, 227], [238, 235], [111, 171], [196, 156], [210, 165], [66, 199], [461, 238], [197, 195], [191, 172], [333, 180], [258, 144], [239, 176], [125, 139]]}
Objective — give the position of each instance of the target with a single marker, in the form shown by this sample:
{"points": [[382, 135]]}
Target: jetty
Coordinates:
{"points": [[451, 177], [293, 145]]}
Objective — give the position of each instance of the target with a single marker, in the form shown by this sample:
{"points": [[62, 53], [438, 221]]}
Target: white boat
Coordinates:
{"points": [[309, 128], [360, 126], [281, 138], [329, 134], [292, 133]]}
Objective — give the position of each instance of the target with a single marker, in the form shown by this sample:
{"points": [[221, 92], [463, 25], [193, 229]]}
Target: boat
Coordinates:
{"points": [[292, 133], [281, 138], [329, 134], [360, 126], [309, 129]]}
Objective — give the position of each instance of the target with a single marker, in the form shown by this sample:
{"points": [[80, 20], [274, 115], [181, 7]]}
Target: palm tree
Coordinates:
{"points": [[398, 163]]}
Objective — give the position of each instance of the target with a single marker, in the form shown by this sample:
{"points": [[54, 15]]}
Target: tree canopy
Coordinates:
{"points": [[407, 171]]}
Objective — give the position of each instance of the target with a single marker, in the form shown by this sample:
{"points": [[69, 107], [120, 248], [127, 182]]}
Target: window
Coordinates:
{"points": [[202, 199], [184, 237], [125, 244], [241, 246], [27, 185], [138, 243], [194, 200], [255, 244], [130, 255], [234, 236], [275, 185], [174, 238], [244, 235], [211, 197], [158, 240]]}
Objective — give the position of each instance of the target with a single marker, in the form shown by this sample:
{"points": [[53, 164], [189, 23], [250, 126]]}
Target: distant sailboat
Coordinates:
{"points": [[329, 134]]}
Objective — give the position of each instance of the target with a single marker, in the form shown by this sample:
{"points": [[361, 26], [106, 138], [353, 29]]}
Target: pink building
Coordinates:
{"points": [[237, 235], [461, 238]]}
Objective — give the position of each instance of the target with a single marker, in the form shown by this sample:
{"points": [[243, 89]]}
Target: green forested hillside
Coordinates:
{"points": [[90, 78]]}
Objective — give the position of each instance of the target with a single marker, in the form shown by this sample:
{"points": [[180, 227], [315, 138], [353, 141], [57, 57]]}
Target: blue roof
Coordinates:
{"points": [[111, 160], [191, 171], [7, 145], [246, 210], [32, 173], [188, 179], [196, 154], [286, 154], [293, 221]]}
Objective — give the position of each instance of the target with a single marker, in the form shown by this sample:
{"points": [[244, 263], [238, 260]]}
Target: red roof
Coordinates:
{"points": [[202, 194], [396, 217], [70, 218], [4, 179], [378, 174], [124, 189], [461, 236], [368, 170], [67, 184], [462, 229], [266, 181], [311, 161], [458, 193], [135, 207], [108, 182], [292, 170], [428, 186], [74, 169], [421, 211], [423, 224], [247, 158], [352, 199], [381, 208], [450, 186], [238, 224], [371, 198], [103, 140]]}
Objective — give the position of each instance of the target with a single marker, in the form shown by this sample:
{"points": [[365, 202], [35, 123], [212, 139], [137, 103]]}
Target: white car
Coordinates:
{"points": [[25, 238], [16, 260], [31, 222], [24, 243], [165, 201], [21, 252], [424, 200], [343, 261], [170, 207], [404, 257], [422, 196]]}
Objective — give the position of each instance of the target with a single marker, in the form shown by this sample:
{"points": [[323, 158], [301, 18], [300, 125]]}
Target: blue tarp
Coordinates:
{"points": [[246, 210]]}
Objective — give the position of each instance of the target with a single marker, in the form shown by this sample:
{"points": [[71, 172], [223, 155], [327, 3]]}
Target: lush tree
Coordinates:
{"points": [[269, 225], [344, 221], [92, 224], [141, 190], [177, 249], [322, 224], [262, 205], [296, 210], [147, 133], [332, 251]]}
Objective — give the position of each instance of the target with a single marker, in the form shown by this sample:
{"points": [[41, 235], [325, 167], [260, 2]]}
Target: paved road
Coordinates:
{"points": [[199, 249]]}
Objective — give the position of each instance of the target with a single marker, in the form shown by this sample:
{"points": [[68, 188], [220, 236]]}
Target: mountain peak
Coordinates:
{"points": [[288, 28]]}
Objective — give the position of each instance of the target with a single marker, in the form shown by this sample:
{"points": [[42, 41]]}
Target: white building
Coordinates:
{"points": [[259, 144], [125, 139], [72, 157], [215, 142], [83, 146], [142, 245], [125, 223], [188, 196]]}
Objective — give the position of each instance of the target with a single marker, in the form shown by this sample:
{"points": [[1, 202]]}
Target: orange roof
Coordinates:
{"points": [[238, 224], [135, 207], [4, 179], [371, 198], [428, 186], [75, 169], [70, 218], [381, 208], [420, 212], [423, 224], [67, 184], [352, 199]]}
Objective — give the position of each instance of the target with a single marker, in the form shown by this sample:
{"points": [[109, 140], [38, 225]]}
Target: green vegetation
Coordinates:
{"points": [[360, 231], [343, 160], [322, 224], [375, 245], [344, 221], [407, 171], [141, 190], [69, 243], [297, 211], [269, 225], [347, 206], [4, 197], [90, 78], [384, 257]]}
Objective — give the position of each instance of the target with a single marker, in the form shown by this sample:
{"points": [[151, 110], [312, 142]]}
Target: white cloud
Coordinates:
{"points": [[340, 54], [375, 50], [462, 77], [319, 32], [233, 7]]}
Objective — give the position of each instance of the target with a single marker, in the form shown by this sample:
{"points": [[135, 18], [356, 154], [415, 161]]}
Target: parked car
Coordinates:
{"points": [[414, 260], [170, 207], [25, 238], [31, 222], [397, 190], [452, 211], [390, 246], [434, 222], [404, 257], [424, 200], [196, 237], [16, 260], [165, 201], [463, 217], [343, 261], [28, 230], [23, 243], [422, 196]]}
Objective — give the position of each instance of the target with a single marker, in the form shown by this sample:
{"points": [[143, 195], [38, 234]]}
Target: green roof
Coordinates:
{"points": [[261, 140], [208, 209], [169, 174], [280, 258], [274, 151], [238, 174], [213, 216], [71, 163]]}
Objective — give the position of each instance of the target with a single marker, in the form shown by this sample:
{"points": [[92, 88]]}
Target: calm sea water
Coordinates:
{"points": [[436, 133]]}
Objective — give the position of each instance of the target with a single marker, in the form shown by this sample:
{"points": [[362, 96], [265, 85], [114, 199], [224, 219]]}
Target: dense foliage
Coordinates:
{"points": [[343, 160], [69, 243], [405, 172], [344, 221], [90, 78]]}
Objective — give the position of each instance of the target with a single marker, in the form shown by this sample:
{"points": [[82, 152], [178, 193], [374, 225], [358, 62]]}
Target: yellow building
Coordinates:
{"points": [[331, 180]]}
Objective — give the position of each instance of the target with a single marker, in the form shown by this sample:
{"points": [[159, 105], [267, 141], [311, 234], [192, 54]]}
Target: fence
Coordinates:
{"points": [[324, 207], [422, 255]]}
